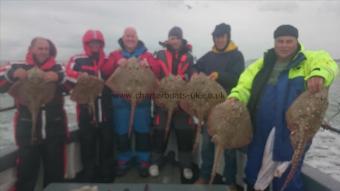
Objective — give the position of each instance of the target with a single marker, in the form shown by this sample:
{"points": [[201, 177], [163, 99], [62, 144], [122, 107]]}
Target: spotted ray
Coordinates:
{"points": [[201, 94], [304, 118], [168, 95], [34, 92], [86, 91], [133, 82], [231, 128]]}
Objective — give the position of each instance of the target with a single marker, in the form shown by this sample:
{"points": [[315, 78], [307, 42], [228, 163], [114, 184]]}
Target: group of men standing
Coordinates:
{"points": [[268, 87]]}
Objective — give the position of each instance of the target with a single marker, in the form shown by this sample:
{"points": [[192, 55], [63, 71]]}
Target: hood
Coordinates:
{"points": [[49, 63], [89, 36], [231, 47], [94, 35]]}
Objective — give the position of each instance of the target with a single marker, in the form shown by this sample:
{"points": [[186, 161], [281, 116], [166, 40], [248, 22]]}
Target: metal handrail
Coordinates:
{"points": [[7, 108], [327, 126], [324, 125]]}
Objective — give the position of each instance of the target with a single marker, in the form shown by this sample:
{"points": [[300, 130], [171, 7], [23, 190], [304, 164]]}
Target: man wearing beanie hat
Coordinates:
{"points": [[286, 30], [175, 59], [176, 32], [224, 63], [221, 30], [269, 86]]}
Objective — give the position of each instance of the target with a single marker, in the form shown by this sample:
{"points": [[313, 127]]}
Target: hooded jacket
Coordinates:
{"points": [[55, 117], [92, 64], [87, 61], [175, 62], [228, 63]]}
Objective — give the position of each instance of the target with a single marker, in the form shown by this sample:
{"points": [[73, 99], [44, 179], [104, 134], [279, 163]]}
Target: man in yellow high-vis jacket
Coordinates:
{"points": [[269, 86]]}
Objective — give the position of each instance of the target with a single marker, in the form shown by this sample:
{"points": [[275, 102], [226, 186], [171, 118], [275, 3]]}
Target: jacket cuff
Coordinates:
{"points": [[239, 96], [319, 72], [61, 78], [9, 76]]}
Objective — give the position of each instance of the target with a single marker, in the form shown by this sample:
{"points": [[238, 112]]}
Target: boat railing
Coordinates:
{"points": [[314, 179]]}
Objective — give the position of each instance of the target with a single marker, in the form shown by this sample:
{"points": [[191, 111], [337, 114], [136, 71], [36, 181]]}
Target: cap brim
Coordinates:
{"points": [[218, 33]]}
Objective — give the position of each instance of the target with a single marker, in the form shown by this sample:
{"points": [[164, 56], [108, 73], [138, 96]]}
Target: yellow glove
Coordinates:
{"points": [[213, 75]]}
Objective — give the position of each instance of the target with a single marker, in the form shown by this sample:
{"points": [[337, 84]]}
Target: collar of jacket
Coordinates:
{"points": [[185, 47], [270, 57], [48, 64], [298, 58], [139, 50], [262, 76], [231, 47]]}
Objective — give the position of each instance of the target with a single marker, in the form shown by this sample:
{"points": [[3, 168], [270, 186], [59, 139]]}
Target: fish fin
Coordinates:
{"points": [[132, 116], [167, 127], [298, 152], [218, 154], [197, 136]]}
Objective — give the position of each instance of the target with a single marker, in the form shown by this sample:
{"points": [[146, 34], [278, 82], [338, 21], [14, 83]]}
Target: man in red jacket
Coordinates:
{"points": [[131, 47], [52, 119], [175, 59], [94, 129]]}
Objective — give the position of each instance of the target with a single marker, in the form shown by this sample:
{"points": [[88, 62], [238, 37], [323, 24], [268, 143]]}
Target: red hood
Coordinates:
{"points": [[49, 63], [94, 35]]}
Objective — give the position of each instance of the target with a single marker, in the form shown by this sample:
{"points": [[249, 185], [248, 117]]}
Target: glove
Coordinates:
{"points": [[213, 75]]}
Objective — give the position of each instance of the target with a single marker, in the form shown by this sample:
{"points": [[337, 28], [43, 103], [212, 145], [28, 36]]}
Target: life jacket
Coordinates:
{"points": [[167, 59], [85, 62]]}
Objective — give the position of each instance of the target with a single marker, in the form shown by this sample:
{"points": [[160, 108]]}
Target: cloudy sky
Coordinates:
{"points": [[253, 23]]}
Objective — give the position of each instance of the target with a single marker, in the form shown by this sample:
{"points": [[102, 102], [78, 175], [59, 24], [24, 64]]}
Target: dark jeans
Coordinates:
{"points": [[207, 155], [181, 123], [28, 163], [96, 143]]}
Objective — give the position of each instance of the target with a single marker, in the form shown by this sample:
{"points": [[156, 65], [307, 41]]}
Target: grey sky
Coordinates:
{"points": [[253, 23]]}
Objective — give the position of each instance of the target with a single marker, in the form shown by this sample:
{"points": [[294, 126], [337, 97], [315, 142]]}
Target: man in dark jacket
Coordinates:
{"points": [[52, 119], [224, 63], [175, 59], [94, 129]]}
